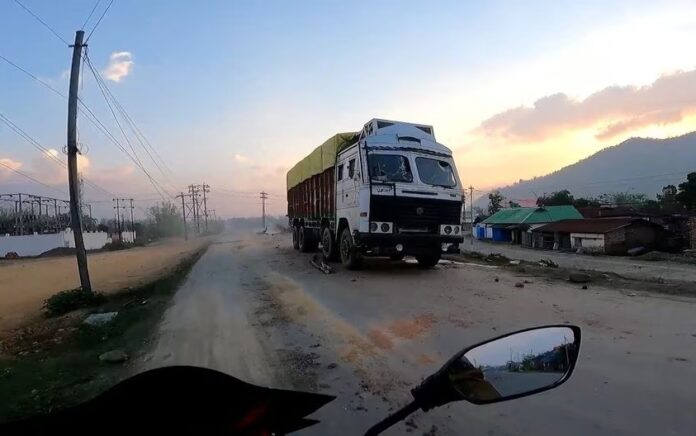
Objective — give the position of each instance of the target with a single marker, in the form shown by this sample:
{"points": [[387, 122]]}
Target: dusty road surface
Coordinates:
{"points": [[624, 266], [26, 283], [256, 309]]}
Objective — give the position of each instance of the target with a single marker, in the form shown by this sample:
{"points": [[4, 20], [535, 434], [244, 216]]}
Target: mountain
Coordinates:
{"points": [[637, 165]]}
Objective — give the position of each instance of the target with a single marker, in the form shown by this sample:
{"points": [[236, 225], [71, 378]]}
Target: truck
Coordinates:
{"points": [[388, 190]]}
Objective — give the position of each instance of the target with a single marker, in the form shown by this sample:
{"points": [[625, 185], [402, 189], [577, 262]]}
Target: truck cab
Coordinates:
{"points": [[397, 193]]}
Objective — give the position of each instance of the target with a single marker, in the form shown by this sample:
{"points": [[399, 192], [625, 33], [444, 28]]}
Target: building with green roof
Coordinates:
{"points": [[508, 224]]}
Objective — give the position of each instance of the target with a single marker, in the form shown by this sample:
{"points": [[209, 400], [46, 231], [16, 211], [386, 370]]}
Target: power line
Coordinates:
{"points": [[98, 21], [32, 76], [42, 22], [36, 144], [30, 178], [135, 159], [144, 142], [90, 14]]}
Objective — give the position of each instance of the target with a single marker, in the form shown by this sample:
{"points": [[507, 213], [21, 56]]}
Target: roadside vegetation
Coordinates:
{"points": [[58, 362]]}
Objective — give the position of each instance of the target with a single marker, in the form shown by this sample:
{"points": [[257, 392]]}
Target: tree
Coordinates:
{"points": [[624, 199], [559, 198], [165, 220], [586, 202], [687, 192], [495, 201], [668, 196]]}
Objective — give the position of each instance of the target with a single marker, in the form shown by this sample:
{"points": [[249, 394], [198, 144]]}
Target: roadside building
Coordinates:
{"points": [[692, 231], [616, 236], [514, 224]]}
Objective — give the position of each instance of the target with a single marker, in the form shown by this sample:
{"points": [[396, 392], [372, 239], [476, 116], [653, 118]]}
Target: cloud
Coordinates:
{"points": [[6, 173], [120, 66], [616, 109], [241, 158]]}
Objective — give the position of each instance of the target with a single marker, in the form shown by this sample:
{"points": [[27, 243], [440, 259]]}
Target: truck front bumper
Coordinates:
{"points": [[412, 243]]}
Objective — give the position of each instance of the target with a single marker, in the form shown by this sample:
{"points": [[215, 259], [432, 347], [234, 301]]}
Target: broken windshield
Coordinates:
{"points": [[435, 172], [390, 168]]}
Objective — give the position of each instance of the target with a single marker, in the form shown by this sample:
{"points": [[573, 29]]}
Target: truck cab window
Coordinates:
{"points": [[351, 168], [435, 172], [390, 168], [339, 176]]}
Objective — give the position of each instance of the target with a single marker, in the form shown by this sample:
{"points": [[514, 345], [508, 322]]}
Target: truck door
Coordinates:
{"points": [[346, 188]]}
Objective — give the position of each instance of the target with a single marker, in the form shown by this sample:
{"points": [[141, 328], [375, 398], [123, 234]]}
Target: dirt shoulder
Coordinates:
{"points": [[58, 362], [26, 283]]}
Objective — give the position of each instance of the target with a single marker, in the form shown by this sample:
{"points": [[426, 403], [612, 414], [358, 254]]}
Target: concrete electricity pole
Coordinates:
{"points": [[264, 197], [471, 211], [74, 187], [206, 188], [183, 214], [132, 221]]}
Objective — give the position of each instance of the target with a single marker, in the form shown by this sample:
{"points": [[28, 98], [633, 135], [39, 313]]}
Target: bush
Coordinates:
{"points": [[67, 301], [117, 245]]}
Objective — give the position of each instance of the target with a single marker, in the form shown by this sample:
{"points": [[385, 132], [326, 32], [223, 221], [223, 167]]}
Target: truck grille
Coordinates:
{"points": [[415, 215]]}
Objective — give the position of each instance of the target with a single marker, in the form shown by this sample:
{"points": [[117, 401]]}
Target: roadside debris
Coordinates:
{"points": [[514, 262], [496, 279], [319, 263], [99, 319], [584, 287], [519, 285], [548, 262], [114, 356], [632, 294], [579, 278]]}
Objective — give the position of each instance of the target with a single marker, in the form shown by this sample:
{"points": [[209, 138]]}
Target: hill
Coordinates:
{"points": [[637, 165]]}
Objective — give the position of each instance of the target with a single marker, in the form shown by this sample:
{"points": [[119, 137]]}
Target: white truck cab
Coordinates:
{"points": [[397, 193]]}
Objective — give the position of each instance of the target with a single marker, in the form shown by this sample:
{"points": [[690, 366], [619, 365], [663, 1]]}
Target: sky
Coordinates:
{"points": [[233, 93]]}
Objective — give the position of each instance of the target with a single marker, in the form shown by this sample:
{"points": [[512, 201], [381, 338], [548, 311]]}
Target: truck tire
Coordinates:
{"points": [[397, 256], [427, 261], [328, 244], [350, 255], [295, 237]]}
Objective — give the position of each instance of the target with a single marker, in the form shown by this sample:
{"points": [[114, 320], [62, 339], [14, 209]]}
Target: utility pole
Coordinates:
{"points": [[183, 214], [132, 221], [264, 197], [118, 218], [21, 218], [75, 213], [471, 211], [206, 188]]}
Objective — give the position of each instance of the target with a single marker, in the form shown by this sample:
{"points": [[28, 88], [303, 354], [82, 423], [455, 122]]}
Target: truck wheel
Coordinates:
{"points": [[304, 240], [350, 256], [328, 244], [397, 256], [295, 237], [427, 261]]}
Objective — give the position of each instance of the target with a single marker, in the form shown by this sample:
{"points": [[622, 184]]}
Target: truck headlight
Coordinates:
{"points": [[448, 229], [373, 227], [456, 230], [385, 227]]}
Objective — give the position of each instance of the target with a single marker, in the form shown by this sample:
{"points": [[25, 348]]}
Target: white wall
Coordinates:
{"points": [[33, 245], [588, 241], [126, 236]]}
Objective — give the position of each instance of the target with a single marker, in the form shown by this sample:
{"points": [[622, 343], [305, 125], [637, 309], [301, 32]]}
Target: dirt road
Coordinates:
{"points": [[624, 266], [26, 283], [254, 308]]}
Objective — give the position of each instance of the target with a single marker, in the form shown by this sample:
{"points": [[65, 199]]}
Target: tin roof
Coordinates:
{"points": [[597, 225], [533, 215]]}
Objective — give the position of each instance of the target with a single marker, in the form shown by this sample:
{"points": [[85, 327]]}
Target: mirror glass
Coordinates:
{"points": [[514, 365]]}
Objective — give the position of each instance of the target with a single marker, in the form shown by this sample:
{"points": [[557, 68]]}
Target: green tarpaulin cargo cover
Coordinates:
{"points": [[321, 159]]}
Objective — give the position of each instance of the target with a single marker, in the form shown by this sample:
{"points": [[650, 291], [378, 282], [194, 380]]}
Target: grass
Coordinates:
{"points": [[73, 299], [65, 370]]}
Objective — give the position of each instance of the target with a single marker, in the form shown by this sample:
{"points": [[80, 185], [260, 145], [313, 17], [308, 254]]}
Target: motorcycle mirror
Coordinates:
{"points": [[515, 365], [511, 366]]}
